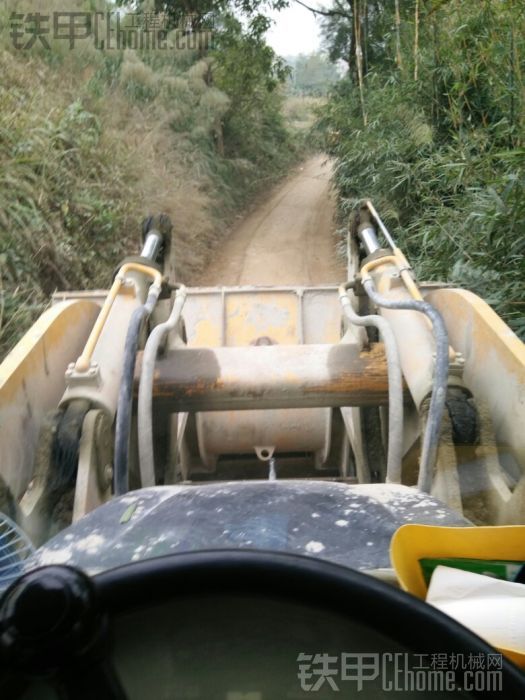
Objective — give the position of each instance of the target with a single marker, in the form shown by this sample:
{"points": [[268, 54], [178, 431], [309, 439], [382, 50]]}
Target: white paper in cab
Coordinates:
{"points": [[493, 609]]}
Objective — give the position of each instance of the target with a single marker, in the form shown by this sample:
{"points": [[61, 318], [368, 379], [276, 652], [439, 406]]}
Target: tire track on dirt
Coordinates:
{"points": [[289, 239]]}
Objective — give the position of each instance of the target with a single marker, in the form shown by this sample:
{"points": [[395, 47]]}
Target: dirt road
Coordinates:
{"points": [[288, 239]]}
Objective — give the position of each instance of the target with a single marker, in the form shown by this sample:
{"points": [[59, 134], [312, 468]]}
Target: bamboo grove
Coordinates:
{"points": [[429, 122]]}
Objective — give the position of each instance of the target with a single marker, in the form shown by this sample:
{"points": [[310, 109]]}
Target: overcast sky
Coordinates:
{"points": [[295, 31]]}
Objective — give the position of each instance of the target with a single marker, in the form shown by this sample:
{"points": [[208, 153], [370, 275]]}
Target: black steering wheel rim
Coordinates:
{"points": [[356, 595], [359, 597]]}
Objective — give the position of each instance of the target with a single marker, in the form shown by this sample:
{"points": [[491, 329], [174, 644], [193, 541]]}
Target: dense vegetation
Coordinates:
{"points": [[429, 123], [92, 140]]}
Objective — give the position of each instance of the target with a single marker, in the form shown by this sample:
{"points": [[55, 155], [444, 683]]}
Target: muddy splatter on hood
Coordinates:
{"points": [[350, 525]]}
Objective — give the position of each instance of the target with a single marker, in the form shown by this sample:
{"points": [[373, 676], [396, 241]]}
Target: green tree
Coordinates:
{"points": [[195, 15], [312, 74], [249, 72]]}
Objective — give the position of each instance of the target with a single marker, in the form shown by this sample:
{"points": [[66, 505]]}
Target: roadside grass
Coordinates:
{"points": [[92, 141], [455, 206], [300, 111]]}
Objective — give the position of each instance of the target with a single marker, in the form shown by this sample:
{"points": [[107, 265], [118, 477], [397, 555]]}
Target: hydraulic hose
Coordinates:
{"points": [[440, 384], [145, 400], [395, 383], [125, 398]]}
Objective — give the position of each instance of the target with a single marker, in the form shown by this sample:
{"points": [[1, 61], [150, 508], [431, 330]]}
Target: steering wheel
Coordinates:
{"points": [[234, 625]]}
